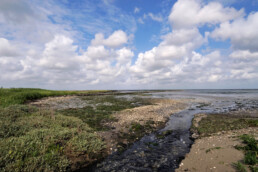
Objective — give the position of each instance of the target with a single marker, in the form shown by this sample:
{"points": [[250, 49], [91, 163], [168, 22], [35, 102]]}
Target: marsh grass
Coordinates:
{"points": [[101, 109], [250, 149], [22, 95], [36, 140], [214, 123], [239, 167]]}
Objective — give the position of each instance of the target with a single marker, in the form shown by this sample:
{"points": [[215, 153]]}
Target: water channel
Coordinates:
{"points": [[154, 153]]}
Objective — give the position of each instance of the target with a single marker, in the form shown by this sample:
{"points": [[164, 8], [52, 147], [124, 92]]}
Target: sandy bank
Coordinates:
{"points": [[215, 152], [157, 114]]}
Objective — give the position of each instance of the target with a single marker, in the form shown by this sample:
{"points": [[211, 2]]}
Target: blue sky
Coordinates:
{"points": [[129, 44]]}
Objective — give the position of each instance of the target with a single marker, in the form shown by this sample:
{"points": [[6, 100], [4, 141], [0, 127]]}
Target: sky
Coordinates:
{"points": [[129, 44]]}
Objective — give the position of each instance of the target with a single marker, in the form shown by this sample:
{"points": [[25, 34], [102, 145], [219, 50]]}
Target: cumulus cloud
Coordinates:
{"points": [[243, 36], [60, 63], [175, 46], [193, 68], [117, 39], [189, 13], [51, 55], [124, 56], [59, 54], [175, 59], [244, 54], [243, 65], [97, 52], [242, 32], [6, 50]]}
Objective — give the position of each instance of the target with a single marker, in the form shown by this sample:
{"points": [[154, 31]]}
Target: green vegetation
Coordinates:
{"points": [[251, 152], [217, 122], [101, 108], [36, 139], [240, 167], [22, 95], [163, 134], [33, 139]]}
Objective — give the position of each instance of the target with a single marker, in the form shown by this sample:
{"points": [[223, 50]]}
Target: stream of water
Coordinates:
{"points": [[153, 153]]}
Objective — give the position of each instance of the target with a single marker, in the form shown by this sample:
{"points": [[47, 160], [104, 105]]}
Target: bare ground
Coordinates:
{"points": [[61, 102]]}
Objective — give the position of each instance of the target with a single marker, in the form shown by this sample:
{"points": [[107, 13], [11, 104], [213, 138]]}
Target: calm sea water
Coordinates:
{"points": [[206, 93]]}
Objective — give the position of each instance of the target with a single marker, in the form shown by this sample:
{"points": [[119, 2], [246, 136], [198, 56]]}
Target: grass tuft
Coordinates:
{"points": [[251, 151], [214, 123], [239, 167], [210, 149]]}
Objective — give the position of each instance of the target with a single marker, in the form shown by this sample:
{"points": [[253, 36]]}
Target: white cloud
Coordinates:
{"points": [[124, 56], [140, 20], [154, 17], [244, 54], [242, 32], [117, 39], [6, 49], [46, 50], [59, 54], [175, 45], [193, 68], [191, 37], [103, 64], [136, 10], [16, 11], [243, 36], [174, 61], [189, 13], [97, 52]]}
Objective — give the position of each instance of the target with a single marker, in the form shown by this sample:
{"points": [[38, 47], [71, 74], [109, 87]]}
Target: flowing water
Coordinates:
{"points": [[155, 153]]}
